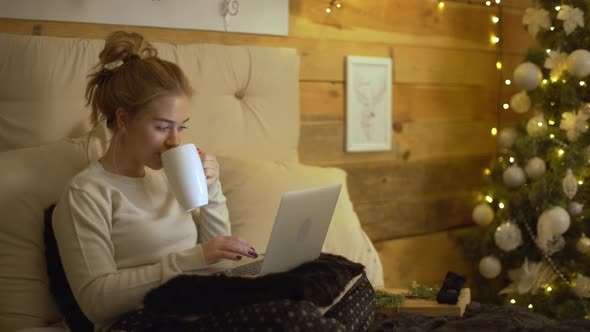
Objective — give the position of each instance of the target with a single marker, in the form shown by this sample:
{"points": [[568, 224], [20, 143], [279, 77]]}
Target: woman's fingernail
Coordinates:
{"points": [[252, 248], [239, 257], [253, 253]]}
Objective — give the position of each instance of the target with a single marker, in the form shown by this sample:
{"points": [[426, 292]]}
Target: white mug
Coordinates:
{"points": [[186, 176]]}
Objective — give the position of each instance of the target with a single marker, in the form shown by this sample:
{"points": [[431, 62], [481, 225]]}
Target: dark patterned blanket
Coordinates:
{"points": [[481, 318]]}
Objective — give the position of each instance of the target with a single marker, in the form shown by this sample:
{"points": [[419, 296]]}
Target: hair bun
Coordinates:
{"points": [[132, 56]]}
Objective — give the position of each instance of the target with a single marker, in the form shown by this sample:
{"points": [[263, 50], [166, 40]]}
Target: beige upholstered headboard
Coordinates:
{"points": [[238, 108]]}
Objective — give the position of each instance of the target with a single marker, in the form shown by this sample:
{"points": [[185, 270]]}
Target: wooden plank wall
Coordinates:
{"points": [[446, 98]]}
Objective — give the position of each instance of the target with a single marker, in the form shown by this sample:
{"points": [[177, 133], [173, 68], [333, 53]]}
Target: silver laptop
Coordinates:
{"points": [[298, 232]]}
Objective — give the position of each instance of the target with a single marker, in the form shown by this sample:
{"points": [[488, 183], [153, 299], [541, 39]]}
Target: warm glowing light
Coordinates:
{"points": [[563, 81], [552, 28], [530, 306], [548, 51], [511, 159], [495, 19], [551, 136], [540, 124], [501, 205], [441, 5], [489, 199], [580, 182], [557, 8], [487, 171], [328, 10], [494, 131], [507, 82], [338, 5], [544, 81], [549, 288], [497, 2], [551, 122], [488, 3], [495, 39], [582, 83], [506, 106], [560, 152], [499, 65], [554, 78], [513, 301]]}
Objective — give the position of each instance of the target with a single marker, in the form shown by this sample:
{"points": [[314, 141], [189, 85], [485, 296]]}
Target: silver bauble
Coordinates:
{"points": [[578, 63], [514, 177], [583, 245], [507, 137], [575, 209], [508, 236], [490, 267], [527, 76], [535, 168], [483, 214]]}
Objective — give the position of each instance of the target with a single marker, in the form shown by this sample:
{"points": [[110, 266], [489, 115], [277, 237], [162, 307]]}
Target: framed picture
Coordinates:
{"points": [[368, 104]]}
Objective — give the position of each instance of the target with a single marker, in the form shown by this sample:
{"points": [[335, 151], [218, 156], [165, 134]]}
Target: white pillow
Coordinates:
{"points": [[253, 189], [32, 179]]}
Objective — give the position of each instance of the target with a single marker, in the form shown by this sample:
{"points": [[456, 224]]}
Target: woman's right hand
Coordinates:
{"points": [[228, 247]]}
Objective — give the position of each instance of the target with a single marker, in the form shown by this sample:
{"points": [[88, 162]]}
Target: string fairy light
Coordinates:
{"points": [[333, 4]]}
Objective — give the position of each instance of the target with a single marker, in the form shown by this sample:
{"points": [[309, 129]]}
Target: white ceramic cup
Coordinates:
{"points": [[186, 176]]}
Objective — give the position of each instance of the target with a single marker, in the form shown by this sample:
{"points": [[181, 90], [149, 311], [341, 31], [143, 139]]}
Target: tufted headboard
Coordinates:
{"points": [[238, 108]]}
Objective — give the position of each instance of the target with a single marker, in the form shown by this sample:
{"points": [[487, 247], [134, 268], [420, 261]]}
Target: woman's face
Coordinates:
{"points": [[156, 128]]}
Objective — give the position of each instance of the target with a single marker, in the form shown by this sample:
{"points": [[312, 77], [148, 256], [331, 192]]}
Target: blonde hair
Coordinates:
{"points": [[130, 75]]}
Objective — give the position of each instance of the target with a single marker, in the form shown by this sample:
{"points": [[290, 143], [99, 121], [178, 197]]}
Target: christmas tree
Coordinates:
{"points": [[532, 245]]}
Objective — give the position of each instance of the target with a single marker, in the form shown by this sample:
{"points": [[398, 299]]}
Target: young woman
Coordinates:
{"points": [[119, 229]]}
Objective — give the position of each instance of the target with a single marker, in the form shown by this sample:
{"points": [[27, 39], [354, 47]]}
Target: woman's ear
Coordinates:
{"points": [[122, 119]]}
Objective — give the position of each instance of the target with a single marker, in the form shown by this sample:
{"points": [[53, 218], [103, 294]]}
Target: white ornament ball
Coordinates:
{"points": [[556, 220], [514, 177], [520, 102], [575, 209], [490, 267], [578, 63], [527, 76], [508, 236], [569, 184], [507, 137], [535, 168], [536, 125], [583, 245], [483, 214]]}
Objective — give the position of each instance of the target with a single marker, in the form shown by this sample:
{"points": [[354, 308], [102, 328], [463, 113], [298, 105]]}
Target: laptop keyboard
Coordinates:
{"points": [[246, 269]]}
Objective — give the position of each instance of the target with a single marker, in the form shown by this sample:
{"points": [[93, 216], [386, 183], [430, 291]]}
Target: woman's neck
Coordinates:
{"points": [[116, 160]]}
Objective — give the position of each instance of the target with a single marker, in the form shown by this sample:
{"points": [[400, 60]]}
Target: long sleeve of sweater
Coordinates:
{"points": [[213, 219]]}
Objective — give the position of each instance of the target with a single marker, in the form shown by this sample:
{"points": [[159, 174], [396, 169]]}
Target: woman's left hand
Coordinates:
{"points": [[210, 166]]}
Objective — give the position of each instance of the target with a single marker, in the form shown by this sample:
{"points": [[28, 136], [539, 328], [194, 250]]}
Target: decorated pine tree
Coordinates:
{"points": [[533, 243]]}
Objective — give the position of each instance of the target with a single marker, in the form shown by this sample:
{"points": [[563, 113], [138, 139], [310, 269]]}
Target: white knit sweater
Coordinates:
{"points": [[120, 237]]}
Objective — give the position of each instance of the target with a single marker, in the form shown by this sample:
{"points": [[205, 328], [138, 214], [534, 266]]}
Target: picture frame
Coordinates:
{"points": [[368, 103]]}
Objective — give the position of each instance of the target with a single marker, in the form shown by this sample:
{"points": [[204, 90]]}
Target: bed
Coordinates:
{"points": [[245, 111]]}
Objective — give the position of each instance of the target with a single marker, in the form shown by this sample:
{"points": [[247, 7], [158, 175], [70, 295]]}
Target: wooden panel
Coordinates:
{"points": [[382, 182], [325, 101], [321, 60], [323, 143], [409, 217], [425, 259], [518, 4], [408, 22]]}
